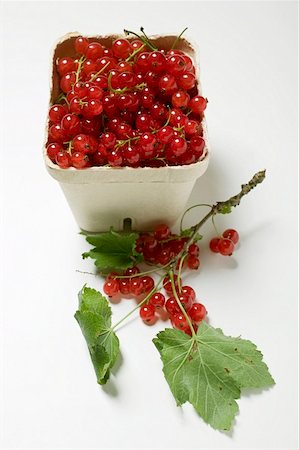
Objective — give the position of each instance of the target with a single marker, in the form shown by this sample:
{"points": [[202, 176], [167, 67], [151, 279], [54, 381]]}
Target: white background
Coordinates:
{"points": [[50, 396]]}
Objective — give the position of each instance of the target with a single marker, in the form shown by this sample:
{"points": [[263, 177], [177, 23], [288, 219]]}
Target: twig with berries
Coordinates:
{"points": [[201, 364]]}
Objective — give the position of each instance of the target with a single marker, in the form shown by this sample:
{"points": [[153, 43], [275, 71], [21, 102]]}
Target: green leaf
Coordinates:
{"points": [[209, 371], [94, 318], [113, 251]]}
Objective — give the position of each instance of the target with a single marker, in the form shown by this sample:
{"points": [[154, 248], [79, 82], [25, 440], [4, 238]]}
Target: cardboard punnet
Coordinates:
{"points": [[101, 197]]}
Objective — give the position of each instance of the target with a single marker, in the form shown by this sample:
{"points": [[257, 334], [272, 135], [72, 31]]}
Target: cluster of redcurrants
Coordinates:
{"points": [[162, 246], [225, 245], [127, 105], [157, 303]]}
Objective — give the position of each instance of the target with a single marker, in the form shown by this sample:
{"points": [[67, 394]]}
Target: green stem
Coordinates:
{"points": [[131, 56], [214, 225], [182, 260], [146, 42], [222, 208], [99, 72], [81, 60], [140, 274], [155, 289], [174, 291], [126, 141], [177, 38], [189, 209]]}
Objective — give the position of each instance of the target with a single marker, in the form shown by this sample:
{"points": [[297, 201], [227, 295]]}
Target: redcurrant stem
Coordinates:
{"points": [[174, 291], [131, 56], [222, 208], [87, 273], [178, 38], [69, 149], [62, 97], [99, 72], [140, 274], [143, 32], [189, 209], [146, 42], [155, 289], [123, 142], [182, 260], [214, 225], [81, 60]]}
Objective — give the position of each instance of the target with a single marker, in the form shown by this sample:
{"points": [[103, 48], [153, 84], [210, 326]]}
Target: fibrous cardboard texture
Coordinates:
{"points": [[101, 197]]}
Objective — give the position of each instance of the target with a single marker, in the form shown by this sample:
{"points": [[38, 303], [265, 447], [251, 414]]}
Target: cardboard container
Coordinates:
{"points": [[101, 197]]}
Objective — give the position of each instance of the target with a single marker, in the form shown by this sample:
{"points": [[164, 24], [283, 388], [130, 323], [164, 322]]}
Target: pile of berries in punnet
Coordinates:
{"points": [[128, 105], [160, 248]]}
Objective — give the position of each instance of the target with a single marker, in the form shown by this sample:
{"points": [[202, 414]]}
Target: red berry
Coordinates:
{"points": [[125, 286], [165, 135], [163, 256], [57, 133], [193, 262], [177, 146], [81, 44], [121, 48], [67, 81], [176, 65], [157, 300], [92, 108], [172, 306], [179, 322], [99, 158], [156, 61], [180, 99], [226, 247], [137, 43], [197, 312], [148, 284], [141, 62], [132, 155], [161, 232], [132, 271], [65, 65], [94, 51], [147, 313], [108, 139], [185, 301], [189, 292], [85, 143], [115, 158], [197, 145], [192, 128], [167, 84], [71, 124], [186, 81], [193, 249], [63, 160], [232, 235], [111, 287], [56, 113], [53, 149], [167, 283], [198, 104], [79, 160], [136, 286], [214, 245]]}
